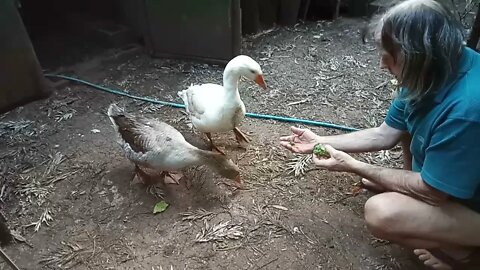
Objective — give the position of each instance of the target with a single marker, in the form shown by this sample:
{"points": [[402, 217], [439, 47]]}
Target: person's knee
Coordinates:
{"points": [[381, 214]]}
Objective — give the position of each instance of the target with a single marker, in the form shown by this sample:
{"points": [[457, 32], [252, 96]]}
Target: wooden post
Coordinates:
{"points": [[268, 12], [475, 34], [336, 9], [289, 10], [250, 16], [5, 234], [21, 77]]}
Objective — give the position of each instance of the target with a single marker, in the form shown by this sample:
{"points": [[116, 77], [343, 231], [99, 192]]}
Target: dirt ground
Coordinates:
{"points": [[68, 192]]}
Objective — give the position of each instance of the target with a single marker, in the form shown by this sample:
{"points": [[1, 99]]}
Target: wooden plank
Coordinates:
{"points": [[475, 33], [206, 30], [21, 78]]}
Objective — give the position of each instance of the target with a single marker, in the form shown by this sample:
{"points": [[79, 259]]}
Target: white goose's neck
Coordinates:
{"points": [[230, 81]]}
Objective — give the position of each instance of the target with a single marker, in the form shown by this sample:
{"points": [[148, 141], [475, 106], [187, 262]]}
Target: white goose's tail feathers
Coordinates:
{"points": [[183, 94], [114, 111], [115, 114]]}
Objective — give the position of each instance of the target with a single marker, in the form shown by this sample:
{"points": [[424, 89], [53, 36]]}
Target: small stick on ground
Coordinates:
{"points": [[267, 263], [8, 260], [298, 102]]}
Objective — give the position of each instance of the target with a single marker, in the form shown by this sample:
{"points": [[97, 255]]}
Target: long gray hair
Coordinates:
{"points": [[427, 40]]}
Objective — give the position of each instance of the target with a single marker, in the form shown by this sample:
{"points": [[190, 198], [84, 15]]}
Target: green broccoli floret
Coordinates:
{"points": [[320, 151]]}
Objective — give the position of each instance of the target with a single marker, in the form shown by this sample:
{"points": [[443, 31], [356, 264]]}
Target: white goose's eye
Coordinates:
{"points": [[252, 71]]}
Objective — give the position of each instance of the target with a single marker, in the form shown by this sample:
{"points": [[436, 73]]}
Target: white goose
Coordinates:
{"points": [[217, 108]]}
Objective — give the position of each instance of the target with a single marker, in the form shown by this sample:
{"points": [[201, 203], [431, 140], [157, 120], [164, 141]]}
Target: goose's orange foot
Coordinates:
{"points": [[142, 177], [241, 137], [172, 177], [213, 147]]}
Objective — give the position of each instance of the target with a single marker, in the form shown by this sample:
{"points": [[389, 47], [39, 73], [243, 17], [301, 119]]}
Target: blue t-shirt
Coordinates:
{"points": [[444, 144]]}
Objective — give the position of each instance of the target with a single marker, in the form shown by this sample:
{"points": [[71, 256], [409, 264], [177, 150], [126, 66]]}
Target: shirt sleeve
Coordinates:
{"points": [[396, 114], [451, 157]]}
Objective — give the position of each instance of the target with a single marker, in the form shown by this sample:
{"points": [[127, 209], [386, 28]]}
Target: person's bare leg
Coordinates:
{"points": [[413, 223], [429, 259], [457, 252], [369, 185]]}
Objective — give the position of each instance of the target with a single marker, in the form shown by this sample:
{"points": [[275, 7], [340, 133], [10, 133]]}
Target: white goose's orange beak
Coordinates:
{"points": [[259, 80]]}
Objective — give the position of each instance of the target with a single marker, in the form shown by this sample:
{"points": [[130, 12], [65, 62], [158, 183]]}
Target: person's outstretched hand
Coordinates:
{"points": [[301, 141]]}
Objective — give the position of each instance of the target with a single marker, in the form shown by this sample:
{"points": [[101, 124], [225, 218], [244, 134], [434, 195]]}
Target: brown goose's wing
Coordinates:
{"points": [[144, 134], [130, 127]]}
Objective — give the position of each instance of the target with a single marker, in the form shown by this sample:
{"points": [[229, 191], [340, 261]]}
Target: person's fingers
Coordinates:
{"points": [[297, 131], [286, 144], [291, 139], [330, 149], [300, 149], [287, 138], [325, 163], [290, 147]]}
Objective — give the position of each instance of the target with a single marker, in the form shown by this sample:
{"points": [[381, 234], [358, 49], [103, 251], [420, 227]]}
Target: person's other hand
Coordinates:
{"points": [[338, 161], [301, 141]]}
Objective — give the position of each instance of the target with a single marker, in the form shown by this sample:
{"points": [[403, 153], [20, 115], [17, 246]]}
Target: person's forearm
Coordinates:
{"points": [[367, 140], [402, 181]]}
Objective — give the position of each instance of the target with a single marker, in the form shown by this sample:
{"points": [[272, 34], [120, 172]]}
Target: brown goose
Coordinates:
{"points": [[154, 145]]}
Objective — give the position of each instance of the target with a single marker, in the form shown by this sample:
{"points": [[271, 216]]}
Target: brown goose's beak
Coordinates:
{"points": [[238, 179], [259, 80]]}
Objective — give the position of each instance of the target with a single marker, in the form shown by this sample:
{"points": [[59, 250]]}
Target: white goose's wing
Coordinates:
{"points": [[204, 103]]}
